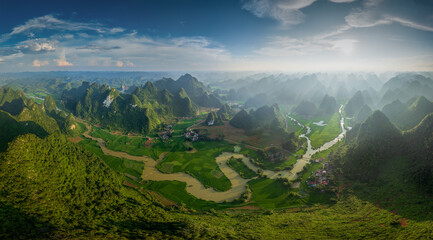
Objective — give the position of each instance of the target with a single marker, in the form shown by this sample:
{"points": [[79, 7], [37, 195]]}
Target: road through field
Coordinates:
{"points": [[196, 188]]}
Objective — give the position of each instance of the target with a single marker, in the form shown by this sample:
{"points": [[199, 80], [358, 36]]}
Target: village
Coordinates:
{"points": [[320, 177], [167, 133]]}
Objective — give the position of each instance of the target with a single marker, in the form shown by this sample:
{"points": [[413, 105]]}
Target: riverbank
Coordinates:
{"points": [[197, 189]]}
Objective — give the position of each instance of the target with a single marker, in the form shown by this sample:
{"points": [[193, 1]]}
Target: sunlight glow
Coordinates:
{"points": [[345, 45]]}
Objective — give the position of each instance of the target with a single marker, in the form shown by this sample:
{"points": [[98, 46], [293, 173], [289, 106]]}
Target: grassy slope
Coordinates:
{"points": [[175, 191], [120, 165], [276, 166], [201, 164], [241, 168], [395, 192], [132, 145], [351, 218], [320, 135], [179, 128], [271, 194]]}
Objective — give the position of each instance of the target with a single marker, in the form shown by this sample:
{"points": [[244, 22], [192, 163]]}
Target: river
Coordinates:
{"points": [[196, 188]]}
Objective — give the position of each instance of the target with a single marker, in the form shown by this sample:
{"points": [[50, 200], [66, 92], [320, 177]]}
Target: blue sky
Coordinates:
{"points": [[225, 35]]}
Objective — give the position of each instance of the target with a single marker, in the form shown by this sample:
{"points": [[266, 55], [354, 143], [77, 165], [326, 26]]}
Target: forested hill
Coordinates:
{"points": [[196, 90], [376, 144], [54, 188], [141, 111], [20, 115], [266, 117], [407, 116]]}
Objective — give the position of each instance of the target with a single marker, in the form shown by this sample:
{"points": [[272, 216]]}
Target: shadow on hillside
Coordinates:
{"points": [[14, 224], [170, 228], [11, 128], [401, 197], [15, 107]]}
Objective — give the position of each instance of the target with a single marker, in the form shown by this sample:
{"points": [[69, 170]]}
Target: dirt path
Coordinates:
{"points": [[194, 186]]}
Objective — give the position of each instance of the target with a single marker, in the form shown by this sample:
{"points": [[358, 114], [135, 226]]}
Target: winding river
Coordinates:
{"points": [[196, 188]]}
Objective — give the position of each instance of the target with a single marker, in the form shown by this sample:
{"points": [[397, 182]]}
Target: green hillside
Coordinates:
{"points": [[266, 117], [142, 111], [20, 115], [305, 109], [368, 147], [196, 90], [59, 189], [363, 114], [407, 116], [354, 104], [327, 106]]}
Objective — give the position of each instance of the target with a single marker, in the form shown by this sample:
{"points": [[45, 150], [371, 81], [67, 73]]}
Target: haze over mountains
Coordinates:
{"points": [[240, 119], [96, 190]]}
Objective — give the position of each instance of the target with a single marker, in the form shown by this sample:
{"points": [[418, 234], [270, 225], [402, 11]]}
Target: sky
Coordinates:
{"points": [[216, 35]]}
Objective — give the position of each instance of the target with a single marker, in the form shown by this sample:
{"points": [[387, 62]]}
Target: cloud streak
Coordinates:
{"points": [[287, 12], [49, 22]]}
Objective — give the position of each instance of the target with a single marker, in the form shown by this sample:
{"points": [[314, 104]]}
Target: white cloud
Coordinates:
{"points": [[372, 15], [37, 63], [342, 1], [36, 46], [365, 18], [287, 47], [175, 53], [345, 46], [372, 18], [285, 11], [117, 30], [410, 24], [372, 3], [62, 62], [49, 22]]}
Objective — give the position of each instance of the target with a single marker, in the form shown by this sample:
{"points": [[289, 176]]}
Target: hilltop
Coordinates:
{"points": [[267, 117], [142, 111], [195, 89], [407, 116], [20, 115]]}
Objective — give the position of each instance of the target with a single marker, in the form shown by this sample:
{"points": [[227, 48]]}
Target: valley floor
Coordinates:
{"points": [[206, 174]]}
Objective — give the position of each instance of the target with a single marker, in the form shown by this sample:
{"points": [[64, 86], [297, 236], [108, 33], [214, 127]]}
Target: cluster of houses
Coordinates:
{"points": [[167, 132], [320, 177], [191, 135]]}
